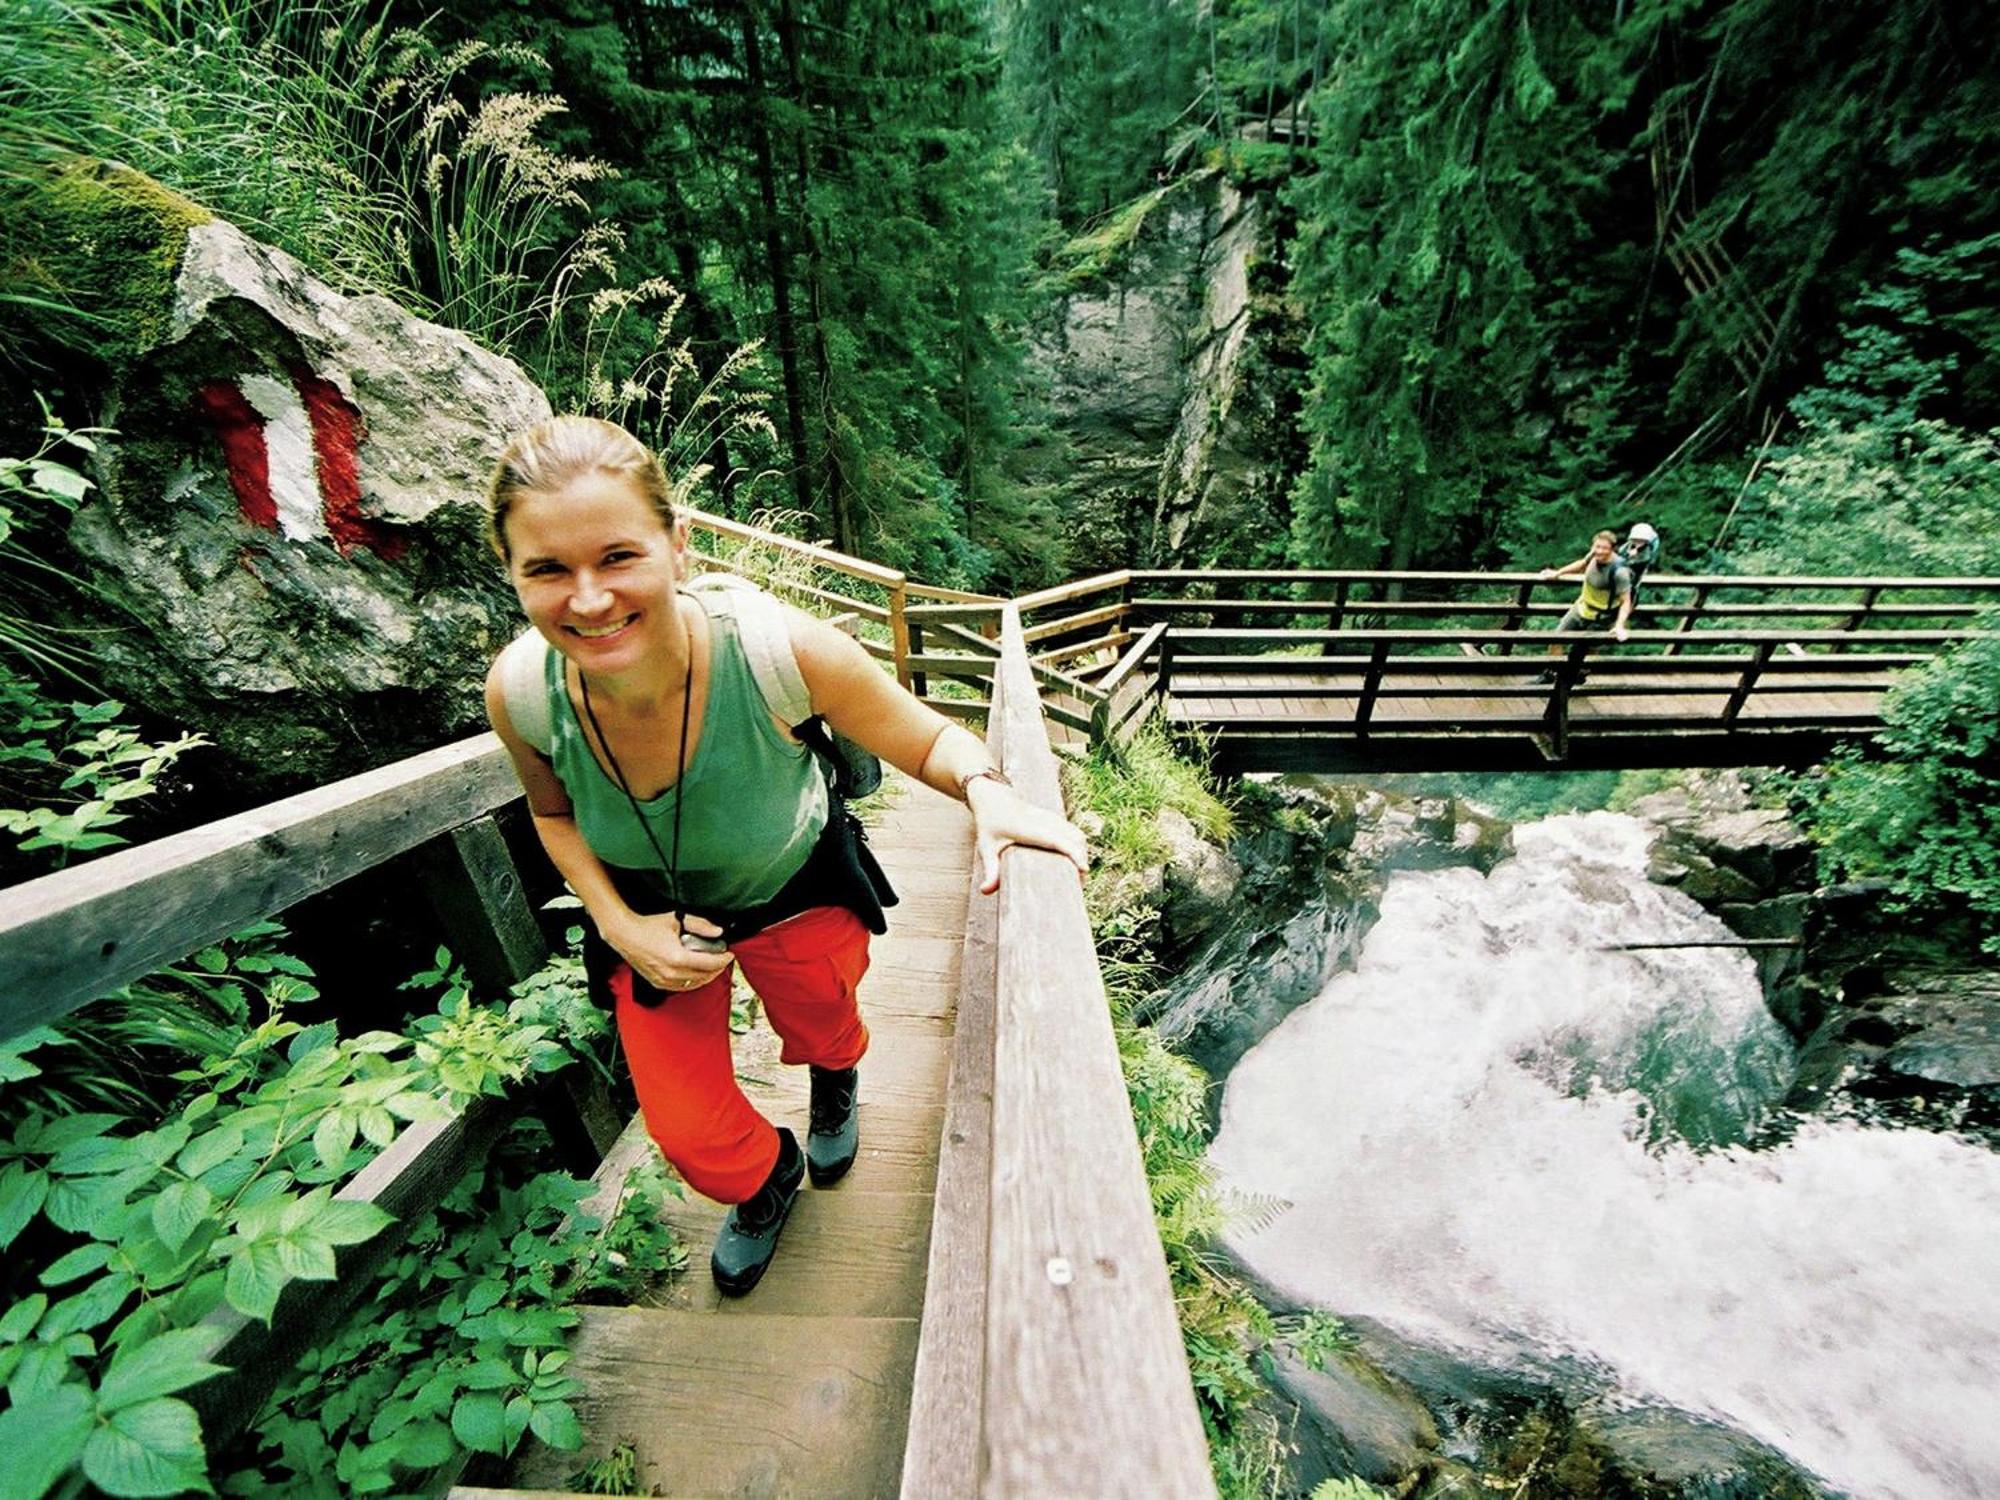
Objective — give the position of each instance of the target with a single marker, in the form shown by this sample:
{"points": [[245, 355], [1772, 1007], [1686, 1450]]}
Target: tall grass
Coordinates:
{"points": [[382, 160]]}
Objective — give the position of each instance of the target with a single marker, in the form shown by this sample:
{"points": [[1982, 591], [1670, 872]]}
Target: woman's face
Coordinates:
{"points": [[595, 568]]}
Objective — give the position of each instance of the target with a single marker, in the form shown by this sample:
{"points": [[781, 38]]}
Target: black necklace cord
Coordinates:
{"points": [[673, 866]]}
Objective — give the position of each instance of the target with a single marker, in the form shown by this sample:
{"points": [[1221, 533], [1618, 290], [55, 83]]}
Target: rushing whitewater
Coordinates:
{"points": [[1494, 1139]]}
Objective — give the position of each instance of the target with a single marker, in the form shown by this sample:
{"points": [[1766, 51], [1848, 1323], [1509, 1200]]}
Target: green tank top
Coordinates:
{"points": [[756, 801]]}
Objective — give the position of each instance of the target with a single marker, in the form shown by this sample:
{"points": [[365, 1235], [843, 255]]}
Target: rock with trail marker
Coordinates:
{"points": [[287, 525]]}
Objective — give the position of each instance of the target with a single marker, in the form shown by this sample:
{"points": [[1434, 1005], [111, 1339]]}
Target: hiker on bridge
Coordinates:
{"points": [[1605, 598], [693, 822]]}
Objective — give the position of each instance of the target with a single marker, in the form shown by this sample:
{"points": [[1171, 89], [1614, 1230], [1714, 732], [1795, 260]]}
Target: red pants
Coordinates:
{"points": [[805, 971]]}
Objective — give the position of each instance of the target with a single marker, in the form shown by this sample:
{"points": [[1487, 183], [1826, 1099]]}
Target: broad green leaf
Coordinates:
{"points": [[305, 1257], [20, 1319], [42, 1367], [555, 1423], [490, 1375], [211, 1149], [179, 1211], [69, 1129], [79, 1262], [41, 1436], [153, 1448], [333, 1139], [424, 1445], [89, 1308], [378, 1125], [302, 1210], [159, 1367], [341, 1221], [22, 1193], [256, 1275], [519, 1410], [479, 1420], [97, 1154]]}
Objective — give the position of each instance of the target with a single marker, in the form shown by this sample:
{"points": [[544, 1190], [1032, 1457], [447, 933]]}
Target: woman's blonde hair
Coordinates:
{"points": [[549, 456]]}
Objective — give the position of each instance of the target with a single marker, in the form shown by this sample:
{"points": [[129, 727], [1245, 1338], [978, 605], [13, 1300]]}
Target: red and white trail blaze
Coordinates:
{"points": [[291, 450]]}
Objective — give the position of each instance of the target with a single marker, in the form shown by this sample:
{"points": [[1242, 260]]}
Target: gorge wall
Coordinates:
{"points": [[1169, 355]]}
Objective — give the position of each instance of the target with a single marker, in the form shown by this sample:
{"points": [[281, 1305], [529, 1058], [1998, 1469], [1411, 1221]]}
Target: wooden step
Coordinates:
{"points": [[845, 1251], [765, 1406]]}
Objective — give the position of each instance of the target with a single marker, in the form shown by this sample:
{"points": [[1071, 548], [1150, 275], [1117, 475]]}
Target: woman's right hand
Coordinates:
{"points": [[653, 947]]}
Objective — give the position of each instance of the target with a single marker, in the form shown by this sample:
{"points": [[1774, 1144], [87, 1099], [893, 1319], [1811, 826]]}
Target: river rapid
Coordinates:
{"points": [[1495, 1142]]}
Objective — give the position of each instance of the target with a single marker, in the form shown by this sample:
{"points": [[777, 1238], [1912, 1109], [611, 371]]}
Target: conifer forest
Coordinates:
{"points": [[1001, 294]]}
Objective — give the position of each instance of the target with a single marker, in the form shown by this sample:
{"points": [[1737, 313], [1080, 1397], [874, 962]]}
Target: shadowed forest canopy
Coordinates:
{"points": [[1543, 267]]}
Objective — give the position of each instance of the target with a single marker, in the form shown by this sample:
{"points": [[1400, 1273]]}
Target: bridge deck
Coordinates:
{"points": [[1473, 701], [801, 1388]]}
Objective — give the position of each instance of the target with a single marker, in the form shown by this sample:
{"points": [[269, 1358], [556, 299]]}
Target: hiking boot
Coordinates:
{"points": [[1546, 678], [835, 1134], [750, 1234]]}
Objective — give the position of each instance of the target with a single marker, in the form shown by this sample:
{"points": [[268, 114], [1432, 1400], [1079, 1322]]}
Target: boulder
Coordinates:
{"points": [[1364, 1422], [290, 510]]}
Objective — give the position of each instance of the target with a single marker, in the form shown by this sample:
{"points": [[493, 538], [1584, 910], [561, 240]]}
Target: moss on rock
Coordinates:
{"points": [[106, 241]]}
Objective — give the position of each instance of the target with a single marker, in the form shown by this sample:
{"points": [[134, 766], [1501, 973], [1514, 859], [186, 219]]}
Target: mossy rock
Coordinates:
{"points": [[106, 241]]}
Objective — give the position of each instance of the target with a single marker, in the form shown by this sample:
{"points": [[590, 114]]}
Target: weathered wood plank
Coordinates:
{"points": [[468, 875], [839, 562], [1087, 1389], [69, 937], [811, 1408], [945, 1444]]}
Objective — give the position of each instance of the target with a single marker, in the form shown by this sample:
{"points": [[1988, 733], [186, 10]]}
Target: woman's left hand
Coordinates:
{"points": [[1002, 816]]}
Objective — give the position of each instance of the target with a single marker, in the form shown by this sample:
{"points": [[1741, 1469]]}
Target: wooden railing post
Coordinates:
{"points": [[1518, 616], [475, 891], [1748, 682], [1555, 720], [1860, 616], [914, 633], [899, 631], [1336, 616], [1687, 620], [1371, 687]]}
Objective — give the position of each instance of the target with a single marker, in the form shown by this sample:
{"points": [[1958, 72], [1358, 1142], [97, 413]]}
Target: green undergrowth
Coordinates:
{"points": [[1229, 1336], [174, 1153]]}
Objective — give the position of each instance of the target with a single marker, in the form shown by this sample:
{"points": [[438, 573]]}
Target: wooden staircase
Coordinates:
{"points": [[801, 1388]]}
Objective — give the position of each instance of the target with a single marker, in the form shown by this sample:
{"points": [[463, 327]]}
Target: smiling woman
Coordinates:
{"points": [[694, 824]]}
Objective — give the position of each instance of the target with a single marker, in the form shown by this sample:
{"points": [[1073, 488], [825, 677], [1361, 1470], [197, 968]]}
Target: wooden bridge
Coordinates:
{"points": [[982, 1308]]}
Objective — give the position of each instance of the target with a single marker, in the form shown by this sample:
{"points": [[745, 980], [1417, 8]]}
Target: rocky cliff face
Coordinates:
{"points": [[1164, 363], [1900, 1022], [289, 513]]}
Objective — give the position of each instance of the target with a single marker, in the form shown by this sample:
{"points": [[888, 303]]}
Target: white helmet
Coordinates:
{"points": [[1641, 532]]}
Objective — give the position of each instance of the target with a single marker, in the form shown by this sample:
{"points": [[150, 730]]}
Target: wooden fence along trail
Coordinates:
{"points": [[981, 1307]]}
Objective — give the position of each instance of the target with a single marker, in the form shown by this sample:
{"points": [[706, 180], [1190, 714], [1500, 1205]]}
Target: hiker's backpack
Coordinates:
{"points": [[760, 625], [1638, 563]]}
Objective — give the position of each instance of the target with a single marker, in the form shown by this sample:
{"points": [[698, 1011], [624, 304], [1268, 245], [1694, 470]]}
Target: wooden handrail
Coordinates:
{"points": [[826, 557], [1510, 580], [69, 937], [1843, 639], [1079, 1384], [1078, 589]]}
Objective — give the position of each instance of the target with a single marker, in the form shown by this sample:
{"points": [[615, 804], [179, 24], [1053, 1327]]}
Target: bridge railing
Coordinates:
{"points": [[875, 601], [1050, 1360], [69, 938]]}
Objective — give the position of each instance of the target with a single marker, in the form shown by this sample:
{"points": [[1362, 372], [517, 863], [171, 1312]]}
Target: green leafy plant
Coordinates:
{"points": [[1922, 811], [1225, 1330], [126, 1226]]}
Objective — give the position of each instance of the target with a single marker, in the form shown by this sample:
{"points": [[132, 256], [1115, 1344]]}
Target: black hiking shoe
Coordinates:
{"points": [[1546, 679], [750, 1234], [835, 1134]]}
